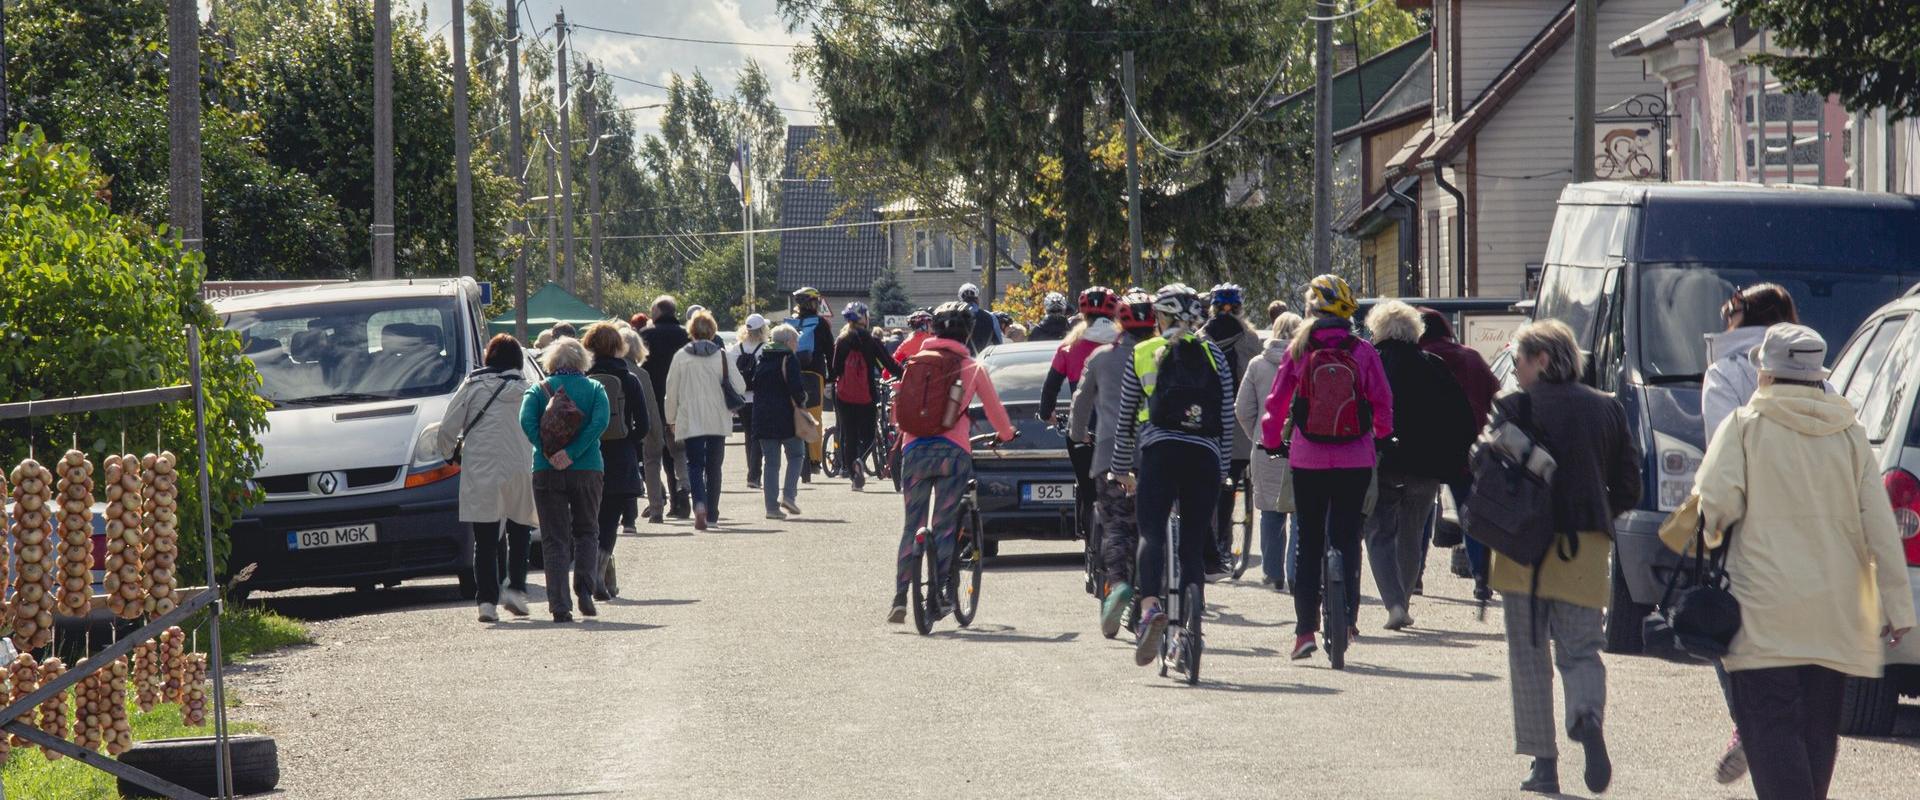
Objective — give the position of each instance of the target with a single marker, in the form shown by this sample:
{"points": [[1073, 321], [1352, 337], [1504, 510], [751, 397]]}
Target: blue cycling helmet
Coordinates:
{"points": [[855, 311], [1227, 294]]}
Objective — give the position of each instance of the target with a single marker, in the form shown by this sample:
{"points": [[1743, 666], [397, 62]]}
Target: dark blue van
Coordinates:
{"points": [[1640, 271]]}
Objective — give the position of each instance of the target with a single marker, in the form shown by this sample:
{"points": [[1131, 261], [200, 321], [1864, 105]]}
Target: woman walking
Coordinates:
{"points": [[1814, 558], [745, 355], [1271, 481], [855, 393], [1596, 477], [496, 488], [1331, 455], [780, 392], [697, 413], [567, 478], [653, 447], [620, 443]]}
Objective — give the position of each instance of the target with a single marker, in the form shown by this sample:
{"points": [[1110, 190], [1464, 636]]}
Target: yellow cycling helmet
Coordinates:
{"points": [[1329, 294]]}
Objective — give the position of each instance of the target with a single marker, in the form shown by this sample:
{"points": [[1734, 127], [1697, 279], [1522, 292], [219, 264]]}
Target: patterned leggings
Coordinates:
{"points": [[931, 467]]}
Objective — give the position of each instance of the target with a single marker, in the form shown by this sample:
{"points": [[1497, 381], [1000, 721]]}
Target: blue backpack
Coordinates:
{"points": [[807, 326]]}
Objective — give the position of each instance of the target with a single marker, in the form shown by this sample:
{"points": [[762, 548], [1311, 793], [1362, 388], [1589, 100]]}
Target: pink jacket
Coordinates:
{"points": [[974, 383], [1308, 454], [1071, 360]]}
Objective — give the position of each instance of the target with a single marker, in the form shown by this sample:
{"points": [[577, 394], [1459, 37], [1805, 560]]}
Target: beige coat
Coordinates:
{"points": [[1816, 560]]}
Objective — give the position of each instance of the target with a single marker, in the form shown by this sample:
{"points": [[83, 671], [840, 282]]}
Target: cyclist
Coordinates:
{"points": [[921, 322], [1095, 419], [1241, 344], [986, 327], [1176, 408], [1098, 305], [815, 353], [936, 465], [855, 395], [1332, 453], [1054, 327]]}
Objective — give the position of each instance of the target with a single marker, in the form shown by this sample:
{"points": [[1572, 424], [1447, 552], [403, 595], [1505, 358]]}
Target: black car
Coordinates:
{"points": [[1027, 488]]}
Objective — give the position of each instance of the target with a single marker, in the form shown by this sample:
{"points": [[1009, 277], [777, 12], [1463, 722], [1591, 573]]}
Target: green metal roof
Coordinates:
{"points": [[547, 307], [1373, 77]]}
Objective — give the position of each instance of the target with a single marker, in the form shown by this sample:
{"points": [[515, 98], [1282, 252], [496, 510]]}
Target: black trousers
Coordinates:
{"points": [[491, 560], [1789, 721], [1223, 515], [753, 443], [1174, 473], [1328, 503], [857, 421]]}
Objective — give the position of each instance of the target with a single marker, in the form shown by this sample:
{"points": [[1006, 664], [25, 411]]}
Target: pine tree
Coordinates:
{"points": [[887, 296]]}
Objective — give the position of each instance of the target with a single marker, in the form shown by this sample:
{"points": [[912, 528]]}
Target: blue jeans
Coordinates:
{"points": [[770, 451], [703, 471], [1279, 533]]}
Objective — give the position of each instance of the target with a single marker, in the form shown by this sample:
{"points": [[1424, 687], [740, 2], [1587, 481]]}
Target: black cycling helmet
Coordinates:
{"points": [[953, 320]]}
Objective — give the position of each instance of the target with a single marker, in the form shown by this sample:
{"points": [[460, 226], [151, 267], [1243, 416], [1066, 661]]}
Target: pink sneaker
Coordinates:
{"points": [[1303, 646]]}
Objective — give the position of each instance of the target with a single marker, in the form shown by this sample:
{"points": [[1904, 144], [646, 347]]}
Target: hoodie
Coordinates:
{"points": [[974, 385], [1308, 454], [1731, 377], [1269, 493], [1815, 557], [695, 405], [1466, 363]]}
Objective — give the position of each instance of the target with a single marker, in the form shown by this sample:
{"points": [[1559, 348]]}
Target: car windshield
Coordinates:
{"points": [[1680, 305], [1019, 375], [355, 351]]}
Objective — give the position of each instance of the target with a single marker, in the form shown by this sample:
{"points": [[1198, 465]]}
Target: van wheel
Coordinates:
{"points": [[990, 548], [1624, 616], [190, 763], [1868, 707], [469, 587]]}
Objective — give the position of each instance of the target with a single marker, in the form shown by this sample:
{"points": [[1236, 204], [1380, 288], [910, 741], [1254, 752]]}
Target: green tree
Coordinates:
{"points": [[717, 279], [98, 302], [887, 296], [1865, 51]]}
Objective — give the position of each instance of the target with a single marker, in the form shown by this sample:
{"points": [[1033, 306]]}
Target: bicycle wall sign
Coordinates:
{"points": [[1630, 140]]}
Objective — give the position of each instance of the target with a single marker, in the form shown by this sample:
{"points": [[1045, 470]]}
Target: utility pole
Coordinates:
{"points": [[553, 229], [183, 120], [462, 155], [517, 160], [1586, 36], [1134, 233], [990, 269], [1323, 139], [382, 139], [565, 144], [746, 215], [593, 185]]}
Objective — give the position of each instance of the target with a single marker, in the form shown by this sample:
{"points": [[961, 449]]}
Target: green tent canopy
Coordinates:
{"points": [[548, 307]]}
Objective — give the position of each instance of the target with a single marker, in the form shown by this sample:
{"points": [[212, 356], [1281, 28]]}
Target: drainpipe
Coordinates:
{"points": [[1459, 228], [1409, 250]]}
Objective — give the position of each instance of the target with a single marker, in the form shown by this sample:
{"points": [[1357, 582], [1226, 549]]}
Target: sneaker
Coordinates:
{"points": [[1586, 731], [629, 530], [1397, 618], [1303, 646], [753, 484], [679, 511], [899, 613], [1153, 628], [562, 617], [1114, 609], [1545, 777], [609, 577], [655, 516], [1733, 762], [587, 608], [488, 614], [790, 507], [774, 513], [699, 518], [514, 601]]}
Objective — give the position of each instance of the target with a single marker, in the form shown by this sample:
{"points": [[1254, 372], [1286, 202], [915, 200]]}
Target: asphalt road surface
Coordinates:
{"points": [[754, 661]]}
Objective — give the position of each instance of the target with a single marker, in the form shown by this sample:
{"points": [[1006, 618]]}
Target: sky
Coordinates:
{"points": [[655, 60]]}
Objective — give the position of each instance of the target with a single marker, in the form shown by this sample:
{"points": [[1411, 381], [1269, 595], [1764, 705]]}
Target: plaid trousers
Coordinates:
{"points": [[1575, 632]]}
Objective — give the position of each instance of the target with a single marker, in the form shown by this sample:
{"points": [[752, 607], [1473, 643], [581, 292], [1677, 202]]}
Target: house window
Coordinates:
{"points": [[982, 254], [932, 251]]}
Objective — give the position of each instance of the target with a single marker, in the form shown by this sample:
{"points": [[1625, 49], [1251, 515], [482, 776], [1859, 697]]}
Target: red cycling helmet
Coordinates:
{"points": [[1099, 301], [1136, 311]]}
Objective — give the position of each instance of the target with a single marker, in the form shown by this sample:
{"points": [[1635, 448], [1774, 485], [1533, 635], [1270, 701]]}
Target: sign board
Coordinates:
{"points": [[1489, 333], [894, 320]]}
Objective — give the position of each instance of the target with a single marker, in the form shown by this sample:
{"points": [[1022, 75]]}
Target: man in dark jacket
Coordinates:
{"points": [[664, 336], [1056, 324], [986, 327], [1432, 431], [1477, 380]]}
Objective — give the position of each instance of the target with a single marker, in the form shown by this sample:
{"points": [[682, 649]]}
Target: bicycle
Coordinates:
{"points": [[934, 594], [1333, 607], [879, 455], [1181, 648], [1242, 556]]}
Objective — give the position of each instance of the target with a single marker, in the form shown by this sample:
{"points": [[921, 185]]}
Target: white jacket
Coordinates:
{"points": [[1816, 560], [1731, 376], [695, 404], [496, 462], [1272, 482]]}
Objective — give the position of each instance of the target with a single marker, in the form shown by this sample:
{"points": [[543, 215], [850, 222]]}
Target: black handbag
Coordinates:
{"points": [[1701, 618]]}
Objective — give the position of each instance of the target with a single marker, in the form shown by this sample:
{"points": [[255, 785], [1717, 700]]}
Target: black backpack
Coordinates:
{"points": [[618, 425], [1186, 390], [746, 363]]}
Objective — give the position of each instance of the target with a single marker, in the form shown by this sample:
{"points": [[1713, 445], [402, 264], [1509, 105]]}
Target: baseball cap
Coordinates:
{"points": [[756, 322], [1792, 352]]}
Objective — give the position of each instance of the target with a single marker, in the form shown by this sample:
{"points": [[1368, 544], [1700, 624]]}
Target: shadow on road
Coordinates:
{"points": [[1436, 638], [1005, 634], [1389, 672], [1249, 688], [355, 603], [539, 796], [586, 624], [659, 601], [1037, 561]]}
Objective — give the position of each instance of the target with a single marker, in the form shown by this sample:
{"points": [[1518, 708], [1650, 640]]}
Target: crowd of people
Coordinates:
{"points": [[1344, 433]]}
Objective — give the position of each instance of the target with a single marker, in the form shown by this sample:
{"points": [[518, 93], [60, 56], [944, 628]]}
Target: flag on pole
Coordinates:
{"points": [[738, 172]]}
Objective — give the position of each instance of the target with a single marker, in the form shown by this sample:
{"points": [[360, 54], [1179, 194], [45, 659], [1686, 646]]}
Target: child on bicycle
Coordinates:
{"points": [[936, 463], [856, 394], [1174, 436], [1095, 419]]}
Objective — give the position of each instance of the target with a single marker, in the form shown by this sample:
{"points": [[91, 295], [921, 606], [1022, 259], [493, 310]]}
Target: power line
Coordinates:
{"points": [[733, 100], [1345, 15], [1252, 109], [902, 20], [685, 38], [823, 227]]}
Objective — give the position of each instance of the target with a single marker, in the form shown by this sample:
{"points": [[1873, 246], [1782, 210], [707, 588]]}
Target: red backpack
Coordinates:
{"points": [[927, 400], [1329, 407], [855, 384]]}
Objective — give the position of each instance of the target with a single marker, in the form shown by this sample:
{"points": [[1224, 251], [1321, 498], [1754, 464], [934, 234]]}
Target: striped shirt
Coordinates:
{"points": [[1136, 435]]}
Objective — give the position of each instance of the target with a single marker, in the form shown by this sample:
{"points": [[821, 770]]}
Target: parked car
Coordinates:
{"points": [[1640, 271], [1027, 488], [1876, 370], [358, 375]]}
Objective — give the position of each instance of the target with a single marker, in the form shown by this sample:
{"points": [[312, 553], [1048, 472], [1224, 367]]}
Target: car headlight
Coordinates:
{"points": [[428, 466], [1675, 462]]}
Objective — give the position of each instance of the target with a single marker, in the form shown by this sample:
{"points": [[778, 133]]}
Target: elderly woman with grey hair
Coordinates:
{"points": [[1596, 477], [568, 477], [1433, 428], [778, 389]]}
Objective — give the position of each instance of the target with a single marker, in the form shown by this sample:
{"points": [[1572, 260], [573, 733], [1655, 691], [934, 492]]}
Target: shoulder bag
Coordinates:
{"points": [[460, 442]]}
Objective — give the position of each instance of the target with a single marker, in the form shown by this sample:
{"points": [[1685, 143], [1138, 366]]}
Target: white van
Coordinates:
{"points": [[357, 373]]}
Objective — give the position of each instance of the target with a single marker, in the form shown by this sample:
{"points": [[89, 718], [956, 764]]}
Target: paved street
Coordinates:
{"points": [[754, 662]]}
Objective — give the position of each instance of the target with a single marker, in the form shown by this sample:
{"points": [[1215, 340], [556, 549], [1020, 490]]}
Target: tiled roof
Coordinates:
{"points": [[835, 260]]}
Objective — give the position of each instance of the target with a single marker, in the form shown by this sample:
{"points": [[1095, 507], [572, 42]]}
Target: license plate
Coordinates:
{"points": [[316, 538], [1049, 493]]}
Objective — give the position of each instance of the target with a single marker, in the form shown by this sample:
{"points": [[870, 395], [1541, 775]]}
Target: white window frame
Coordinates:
{"points": [[925, 255]]}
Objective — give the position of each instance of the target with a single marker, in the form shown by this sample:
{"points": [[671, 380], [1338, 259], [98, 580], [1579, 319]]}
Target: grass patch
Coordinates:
{"points": [[28, 773], [247, 631]]}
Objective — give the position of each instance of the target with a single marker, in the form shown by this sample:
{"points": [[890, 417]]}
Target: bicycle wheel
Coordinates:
{"points": [[830, 452], [1338, 616], [1243, 555], [922, 577], [1096, 585], [968, 564], [1191, 642]]}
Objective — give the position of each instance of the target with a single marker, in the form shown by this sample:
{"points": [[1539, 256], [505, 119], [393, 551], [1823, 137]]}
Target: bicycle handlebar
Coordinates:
{"points": [[990, 439]]}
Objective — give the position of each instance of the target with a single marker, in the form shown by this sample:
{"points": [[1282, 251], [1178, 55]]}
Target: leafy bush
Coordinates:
{"points": [[94, 302]]}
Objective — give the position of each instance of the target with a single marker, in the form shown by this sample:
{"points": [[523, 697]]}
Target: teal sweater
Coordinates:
{"points": [[592, 400]]}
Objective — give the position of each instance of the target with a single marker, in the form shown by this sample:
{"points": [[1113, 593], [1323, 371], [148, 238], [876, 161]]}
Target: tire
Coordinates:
{"points": [[189, 762], [469, 587], [1096, 569], [922, 609], [1868, 707], [1243, 557], [967, 569], [1624, 636], [1191, 649], [989, 547], [1335, 603], [830, 453]]}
